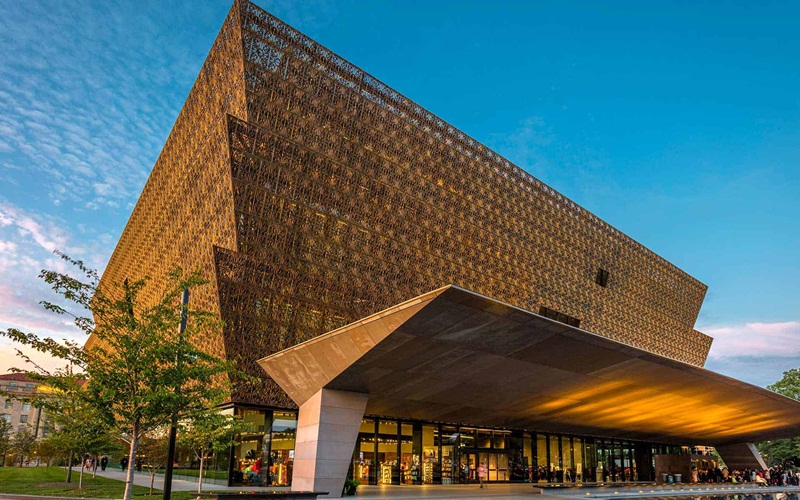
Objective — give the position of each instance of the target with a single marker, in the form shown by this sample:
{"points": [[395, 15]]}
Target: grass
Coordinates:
{"points": [[50, 481], [218, 474]]}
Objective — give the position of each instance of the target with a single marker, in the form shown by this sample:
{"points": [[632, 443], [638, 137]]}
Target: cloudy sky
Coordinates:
{"points": [[678, 123]]}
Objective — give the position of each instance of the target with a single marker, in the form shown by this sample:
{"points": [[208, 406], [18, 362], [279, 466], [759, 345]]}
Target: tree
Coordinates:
{"points": [[781, 451], [77, 429], [22, 443], [208, 432], [142, 368], [788, 385], [47, 450], [154, 449], [5, 437]]}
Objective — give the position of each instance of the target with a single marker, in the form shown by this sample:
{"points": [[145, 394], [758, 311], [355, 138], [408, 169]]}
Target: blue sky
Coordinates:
{"points": [[677, 122]]}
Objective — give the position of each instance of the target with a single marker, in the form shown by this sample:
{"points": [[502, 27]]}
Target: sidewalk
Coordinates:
{"points": [[143, 479]]}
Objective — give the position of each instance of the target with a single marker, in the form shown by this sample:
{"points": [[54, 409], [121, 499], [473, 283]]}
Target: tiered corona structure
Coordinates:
{"points": [[312, 195]]}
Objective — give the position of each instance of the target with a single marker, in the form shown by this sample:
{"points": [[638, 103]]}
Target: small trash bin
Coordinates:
{"points": [[664, 478], [678, 478], [669, 479]]}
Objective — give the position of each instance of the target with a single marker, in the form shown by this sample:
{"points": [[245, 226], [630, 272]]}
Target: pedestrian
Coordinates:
{"points": [[481, 473], [123, 463], [103, 463]]}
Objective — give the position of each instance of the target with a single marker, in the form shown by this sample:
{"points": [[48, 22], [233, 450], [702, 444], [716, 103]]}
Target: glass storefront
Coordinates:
{"points": [[251, 454], [409, 453], [451, 471], [265, 450], [282, 440]]}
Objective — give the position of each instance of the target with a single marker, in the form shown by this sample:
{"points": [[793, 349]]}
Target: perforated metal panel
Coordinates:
{"points": [[326, 196]]}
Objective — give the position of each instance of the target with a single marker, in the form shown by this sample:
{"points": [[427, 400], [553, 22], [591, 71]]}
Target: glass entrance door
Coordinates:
{"points": [[469, 467], [496, 466]]}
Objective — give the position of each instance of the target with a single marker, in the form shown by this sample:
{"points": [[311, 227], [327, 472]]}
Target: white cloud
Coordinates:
{"points": [[45, 234], [27, 241], [755, 340]]}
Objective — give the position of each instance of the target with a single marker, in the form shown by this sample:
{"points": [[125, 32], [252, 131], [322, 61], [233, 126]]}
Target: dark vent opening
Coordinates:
{"points": [[559, 316], [602, 277]]}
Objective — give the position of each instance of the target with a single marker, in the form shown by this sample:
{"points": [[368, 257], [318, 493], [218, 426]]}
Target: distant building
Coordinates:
{"points": [[15, 405], [458, 310]]}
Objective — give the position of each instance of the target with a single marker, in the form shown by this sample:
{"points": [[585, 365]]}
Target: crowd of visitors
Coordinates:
{"points": [[779, 475]]}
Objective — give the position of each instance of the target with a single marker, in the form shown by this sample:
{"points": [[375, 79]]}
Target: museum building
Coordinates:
{"points": [[426, 305]]}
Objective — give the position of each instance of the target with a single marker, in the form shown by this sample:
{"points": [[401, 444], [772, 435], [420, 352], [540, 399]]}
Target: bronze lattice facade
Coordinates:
{"points": [[313, 195]]}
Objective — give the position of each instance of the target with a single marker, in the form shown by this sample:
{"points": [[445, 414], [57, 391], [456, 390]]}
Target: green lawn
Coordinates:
{"points": [[49, 481], [218, 474]]}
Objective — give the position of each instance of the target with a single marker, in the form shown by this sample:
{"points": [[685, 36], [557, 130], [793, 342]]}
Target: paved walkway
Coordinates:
{"points": [[662, 491], [143, 479], [527, 491], [505, 491]]}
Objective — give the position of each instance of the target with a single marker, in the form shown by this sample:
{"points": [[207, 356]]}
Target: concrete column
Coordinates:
{"points": [[327, 428]]}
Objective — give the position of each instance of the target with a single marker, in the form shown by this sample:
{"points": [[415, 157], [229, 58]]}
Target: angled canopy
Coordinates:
{"points": [[455, 356]]}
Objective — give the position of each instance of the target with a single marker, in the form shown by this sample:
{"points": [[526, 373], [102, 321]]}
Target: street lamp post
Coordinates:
{"points": [[173, 428]]}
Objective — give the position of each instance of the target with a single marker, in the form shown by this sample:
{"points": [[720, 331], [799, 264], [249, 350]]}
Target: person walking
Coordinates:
{"points": [[123, 463], [103, 463]]}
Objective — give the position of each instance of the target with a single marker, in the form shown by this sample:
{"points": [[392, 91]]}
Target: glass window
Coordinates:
{"points": [[527, 450], [592, 471], [283, 436], [501, 440], [484, 438], [569, 471], [627, 461], [368, 426], [449, 443], [431, 469], [577, 454], [9, 404], [541, 458], [604, 459], [387, 452], [250, 459], [616, 461], [517, 461], [409, 462], [364, 458], [23, 419], [467, 437], [26, 406], [6, 417], [555, 460]]}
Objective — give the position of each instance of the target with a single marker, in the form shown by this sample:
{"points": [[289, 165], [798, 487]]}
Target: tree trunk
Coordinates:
{"points": [[80, 478], [152, 479], [95, 461], [69, 468], [131, 462], [200, 475]]}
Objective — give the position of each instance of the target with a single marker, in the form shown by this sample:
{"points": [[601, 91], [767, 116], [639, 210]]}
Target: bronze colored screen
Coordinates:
{"points": [[325, 196]]}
